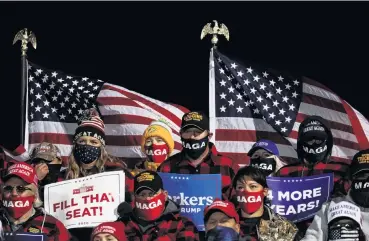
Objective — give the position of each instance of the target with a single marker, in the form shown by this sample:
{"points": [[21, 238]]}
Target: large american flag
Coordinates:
{"points": [[56, 100], [248, 103]]}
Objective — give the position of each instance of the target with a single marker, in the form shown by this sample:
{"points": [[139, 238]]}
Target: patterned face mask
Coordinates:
{"points": [[86, 154]]}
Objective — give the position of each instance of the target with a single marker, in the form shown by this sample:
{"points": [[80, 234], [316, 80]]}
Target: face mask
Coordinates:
{"points": [[18, 206], [157, 153], [52, 176], [360, 192], [250, 202], [194, 148], [316, 152], [338, 230], [86, 153], [266, 165], [220, 233], [151, 209]]}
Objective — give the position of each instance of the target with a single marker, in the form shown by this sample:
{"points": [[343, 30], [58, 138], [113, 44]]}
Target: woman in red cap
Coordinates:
{"points": [[109, 231], [21, 210]]}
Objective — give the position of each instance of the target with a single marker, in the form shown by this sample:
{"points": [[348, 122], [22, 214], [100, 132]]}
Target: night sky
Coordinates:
{"points": [[154, 47]]}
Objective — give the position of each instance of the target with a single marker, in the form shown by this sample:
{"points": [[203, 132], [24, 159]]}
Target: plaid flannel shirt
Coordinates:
{"points": [[52, 228], [341, 179], [214, 163], [169, 227]]}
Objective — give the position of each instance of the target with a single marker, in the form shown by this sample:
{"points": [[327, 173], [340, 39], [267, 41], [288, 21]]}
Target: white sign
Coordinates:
{"points": [[344, 209], [87, 201]]}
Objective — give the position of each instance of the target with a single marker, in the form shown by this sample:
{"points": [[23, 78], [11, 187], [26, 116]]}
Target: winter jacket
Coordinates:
{"points": [[170, 226], [318, 230]]}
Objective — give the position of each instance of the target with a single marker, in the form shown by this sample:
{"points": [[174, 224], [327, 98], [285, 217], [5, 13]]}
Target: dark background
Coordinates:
{"points": [[154, 47]]}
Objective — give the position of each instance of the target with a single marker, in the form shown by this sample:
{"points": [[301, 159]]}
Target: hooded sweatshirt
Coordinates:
{"points": [[318, 230], [340, 170], [170, 226]]}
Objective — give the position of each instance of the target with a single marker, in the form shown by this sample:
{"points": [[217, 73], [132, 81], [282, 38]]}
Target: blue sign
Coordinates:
{"points": [[24, 237], [193, 192], [299, 198]]}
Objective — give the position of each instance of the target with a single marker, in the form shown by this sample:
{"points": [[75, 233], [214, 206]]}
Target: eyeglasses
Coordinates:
{"points": [[19, 189], [315, 141]]}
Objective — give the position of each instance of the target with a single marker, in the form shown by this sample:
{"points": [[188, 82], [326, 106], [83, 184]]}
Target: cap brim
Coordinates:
{"points": [[317, 134], [216, 209], [143, 188], [188, 125], [44, 157], [7, 177], [365, 169]]}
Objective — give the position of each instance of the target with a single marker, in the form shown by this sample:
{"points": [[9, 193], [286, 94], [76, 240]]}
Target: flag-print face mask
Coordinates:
{"points": [[86, 154]]}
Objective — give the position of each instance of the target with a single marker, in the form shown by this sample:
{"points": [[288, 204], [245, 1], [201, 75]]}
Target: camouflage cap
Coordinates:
{"points": [[46, 151]]}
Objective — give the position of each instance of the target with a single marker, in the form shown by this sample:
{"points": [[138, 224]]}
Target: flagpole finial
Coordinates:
{"points": [[25, 38], [215, 31]]}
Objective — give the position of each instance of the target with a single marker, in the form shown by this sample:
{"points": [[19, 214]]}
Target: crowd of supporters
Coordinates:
{"points": [[233, 217]]}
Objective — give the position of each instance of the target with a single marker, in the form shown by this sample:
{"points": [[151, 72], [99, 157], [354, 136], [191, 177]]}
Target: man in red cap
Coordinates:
{"points": [[109, 231], [20, 211], [221, 221]]}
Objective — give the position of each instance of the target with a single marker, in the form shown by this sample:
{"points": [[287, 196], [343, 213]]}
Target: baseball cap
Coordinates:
{"points": [[147, 180], [197, 119], [344, 209], [22, 170], [266, 145], [360, 162], [313, 129], [225, 207], [115, 229], [46, 151]]}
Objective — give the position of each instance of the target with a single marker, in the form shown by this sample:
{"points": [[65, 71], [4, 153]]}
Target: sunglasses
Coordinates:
{"points": [[19, 189], [315, 141]]}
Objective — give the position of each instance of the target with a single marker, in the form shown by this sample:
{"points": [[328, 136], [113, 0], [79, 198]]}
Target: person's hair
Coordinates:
{"points": [[74, 169], [252, 172]]}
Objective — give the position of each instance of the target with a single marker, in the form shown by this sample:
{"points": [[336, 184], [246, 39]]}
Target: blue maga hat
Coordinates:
{"points": [[266, 145]]}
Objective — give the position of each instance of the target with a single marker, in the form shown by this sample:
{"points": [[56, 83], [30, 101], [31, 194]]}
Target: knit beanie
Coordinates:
{"points": [[160, 129], [90, 124], [115, 229]]}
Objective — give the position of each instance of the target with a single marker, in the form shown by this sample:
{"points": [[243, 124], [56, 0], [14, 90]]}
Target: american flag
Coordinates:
{"points": [[344, 233], [56, 100], [250, 103]]}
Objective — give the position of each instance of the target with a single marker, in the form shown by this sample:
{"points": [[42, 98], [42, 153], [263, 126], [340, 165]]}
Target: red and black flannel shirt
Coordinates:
{"points": [[52, 228], [214, 163], [248, 227], [169, 227], [340, 171]]}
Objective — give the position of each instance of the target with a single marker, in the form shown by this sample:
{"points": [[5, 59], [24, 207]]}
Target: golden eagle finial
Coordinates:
{"points": [[25, 38], [216, 30]]}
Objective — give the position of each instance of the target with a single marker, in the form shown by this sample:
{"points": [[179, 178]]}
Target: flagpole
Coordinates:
{"points": [[25, 38], [215, 31]]}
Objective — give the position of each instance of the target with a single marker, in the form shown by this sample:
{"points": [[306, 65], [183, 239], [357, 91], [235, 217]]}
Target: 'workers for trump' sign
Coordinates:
{"points": [[299, 198], [193, 192], [87, 201]]}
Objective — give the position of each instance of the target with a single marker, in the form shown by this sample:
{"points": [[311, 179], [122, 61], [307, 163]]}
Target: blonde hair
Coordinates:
{"points": [[74, 170], [37, 203]]}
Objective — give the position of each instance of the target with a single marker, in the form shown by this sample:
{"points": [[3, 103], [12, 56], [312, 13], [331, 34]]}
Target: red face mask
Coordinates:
{"points": [[18, 206], [157, 153], [250, 202], [151, 209]]}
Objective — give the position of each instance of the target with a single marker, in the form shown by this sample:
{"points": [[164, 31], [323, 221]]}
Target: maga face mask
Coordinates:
{"points": [[17, 206], [314, 152], [86, 154], [360, 192], [250, 202], [266, 165], [194, 148], [150, 209], [157, 153]]}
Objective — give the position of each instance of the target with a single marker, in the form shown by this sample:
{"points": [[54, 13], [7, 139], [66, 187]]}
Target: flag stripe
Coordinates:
{"points": [[322, 102]]}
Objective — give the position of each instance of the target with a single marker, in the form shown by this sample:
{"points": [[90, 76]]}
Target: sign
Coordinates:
{"points": [[299, 198], [344, 209], [24, 237], [193, 192], [87, 201]]}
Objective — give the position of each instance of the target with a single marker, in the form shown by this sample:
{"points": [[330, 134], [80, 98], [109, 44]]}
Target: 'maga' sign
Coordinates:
{"points": [[86, 202], [193, 192], [299, 198]]}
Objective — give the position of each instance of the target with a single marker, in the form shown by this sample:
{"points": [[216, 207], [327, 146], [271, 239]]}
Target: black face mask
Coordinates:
{"points": [[337, 230], [316, 152], [52, 176], [360, 192], [86, 154], [266, 165], [194, 148]]}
